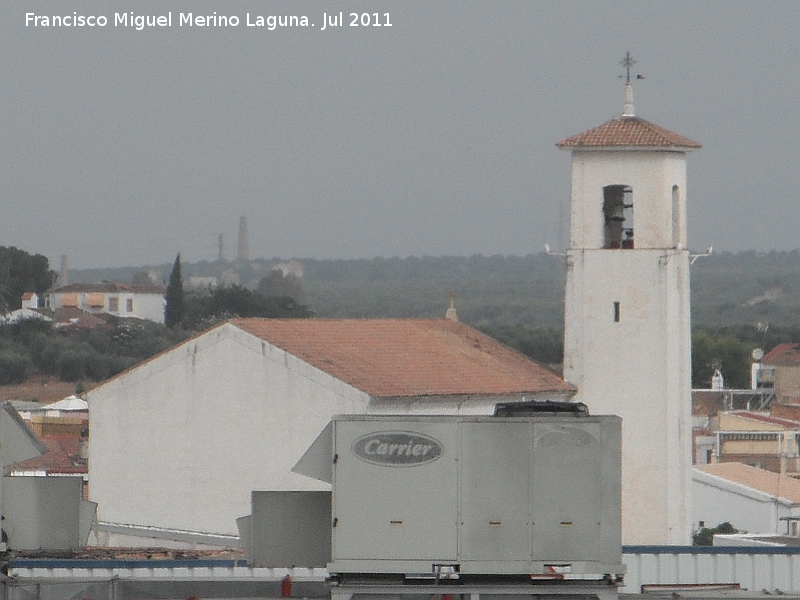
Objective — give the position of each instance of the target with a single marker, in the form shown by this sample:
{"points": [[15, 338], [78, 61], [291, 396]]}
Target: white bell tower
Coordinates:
{"points": [[627, 345]]}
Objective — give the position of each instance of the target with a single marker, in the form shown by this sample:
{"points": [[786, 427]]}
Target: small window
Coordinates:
{"points": [[96, 300], [113, 304], [129, 305], [69, 300], [616, 312]]}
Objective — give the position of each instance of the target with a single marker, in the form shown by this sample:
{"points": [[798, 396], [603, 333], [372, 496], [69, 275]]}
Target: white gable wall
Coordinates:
{"points": [[181, 441], [717, 500]]}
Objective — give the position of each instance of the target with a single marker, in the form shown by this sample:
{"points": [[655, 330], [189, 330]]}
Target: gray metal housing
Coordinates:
{"points": [[535, 495]]}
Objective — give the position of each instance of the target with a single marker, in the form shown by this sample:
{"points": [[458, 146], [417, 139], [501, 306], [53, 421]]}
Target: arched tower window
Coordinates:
{"points": [[618, 217], [677, 217]]}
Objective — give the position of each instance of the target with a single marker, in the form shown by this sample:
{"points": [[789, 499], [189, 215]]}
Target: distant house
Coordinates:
{"points": [[179, 442], [122, 300], [71, 406], [30, 300], [780, 369], [65, 457], [758, 439], [751, 499], [42, 492], [63, 427]]}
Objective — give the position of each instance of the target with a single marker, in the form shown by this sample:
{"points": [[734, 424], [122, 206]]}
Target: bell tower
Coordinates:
{"points": [[627, 345]]}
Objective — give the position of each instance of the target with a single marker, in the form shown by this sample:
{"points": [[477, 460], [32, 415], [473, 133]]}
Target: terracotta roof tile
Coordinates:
{"points": [[783, 354], [408, 357], [62, 456], [70, 315], [111, 288], [757, 479], [628, 132]]}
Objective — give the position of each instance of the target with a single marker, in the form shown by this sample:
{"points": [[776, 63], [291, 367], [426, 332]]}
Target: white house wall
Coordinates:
{"points": [[181, 441], [145, 306], [456, 405], [716, 500]]}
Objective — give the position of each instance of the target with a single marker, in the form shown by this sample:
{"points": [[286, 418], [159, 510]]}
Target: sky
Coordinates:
{"points": [[435, 136]]}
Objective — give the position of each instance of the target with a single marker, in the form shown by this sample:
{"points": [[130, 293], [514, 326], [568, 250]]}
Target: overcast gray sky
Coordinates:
{"points": [[435, 136]]}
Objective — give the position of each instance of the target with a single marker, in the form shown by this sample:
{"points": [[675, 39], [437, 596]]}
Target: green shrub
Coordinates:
{"points": [[705, 537], [14, 368]]}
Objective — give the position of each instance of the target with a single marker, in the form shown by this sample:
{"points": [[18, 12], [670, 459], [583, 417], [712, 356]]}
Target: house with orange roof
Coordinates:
{"points": [[118, 299], [780, 369], [751, 499], [180, 441], [758, 439], [30, 300]]}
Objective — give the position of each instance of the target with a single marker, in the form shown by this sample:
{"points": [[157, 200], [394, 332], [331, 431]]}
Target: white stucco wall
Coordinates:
{"points": [[145, 306], [651, 175], [457, 405], [181, 441], [639, 367], [716, 500]]}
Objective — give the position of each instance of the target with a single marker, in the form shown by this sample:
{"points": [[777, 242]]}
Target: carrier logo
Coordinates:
{"points": [[397, 448]]}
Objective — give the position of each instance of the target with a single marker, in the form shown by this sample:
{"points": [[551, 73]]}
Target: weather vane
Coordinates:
{"points": [[627, 62]]}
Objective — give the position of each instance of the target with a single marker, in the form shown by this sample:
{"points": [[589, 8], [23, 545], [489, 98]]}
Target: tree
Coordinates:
{"points": [[705, 537], [21, 272], [723, 350], [176, 303], [142, 278], [206, 309]]}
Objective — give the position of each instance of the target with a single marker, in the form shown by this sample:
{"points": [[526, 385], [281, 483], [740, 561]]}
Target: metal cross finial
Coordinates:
{"points": [[627, 62]]}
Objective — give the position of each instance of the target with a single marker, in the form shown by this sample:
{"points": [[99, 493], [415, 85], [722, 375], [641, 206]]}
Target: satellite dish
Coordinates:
{"points": [[758, 354]]}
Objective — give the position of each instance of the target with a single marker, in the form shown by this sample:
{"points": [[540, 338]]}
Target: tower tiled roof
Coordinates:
{"points": [[408, 357], [628, 132]]}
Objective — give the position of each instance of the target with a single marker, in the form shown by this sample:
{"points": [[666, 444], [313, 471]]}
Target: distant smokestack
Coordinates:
{"points": [[63, 275], [221, 256], [243, 254]]}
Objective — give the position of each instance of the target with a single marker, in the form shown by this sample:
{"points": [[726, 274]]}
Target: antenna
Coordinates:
{"points": [[694, 257]]}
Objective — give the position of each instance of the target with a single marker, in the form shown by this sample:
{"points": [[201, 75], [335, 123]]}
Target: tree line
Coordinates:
{"points": [[80, 355], [739, 302]]}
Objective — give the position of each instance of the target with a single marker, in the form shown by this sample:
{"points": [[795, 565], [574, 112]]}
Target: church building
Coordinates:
{"points": [[627, 344]]}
